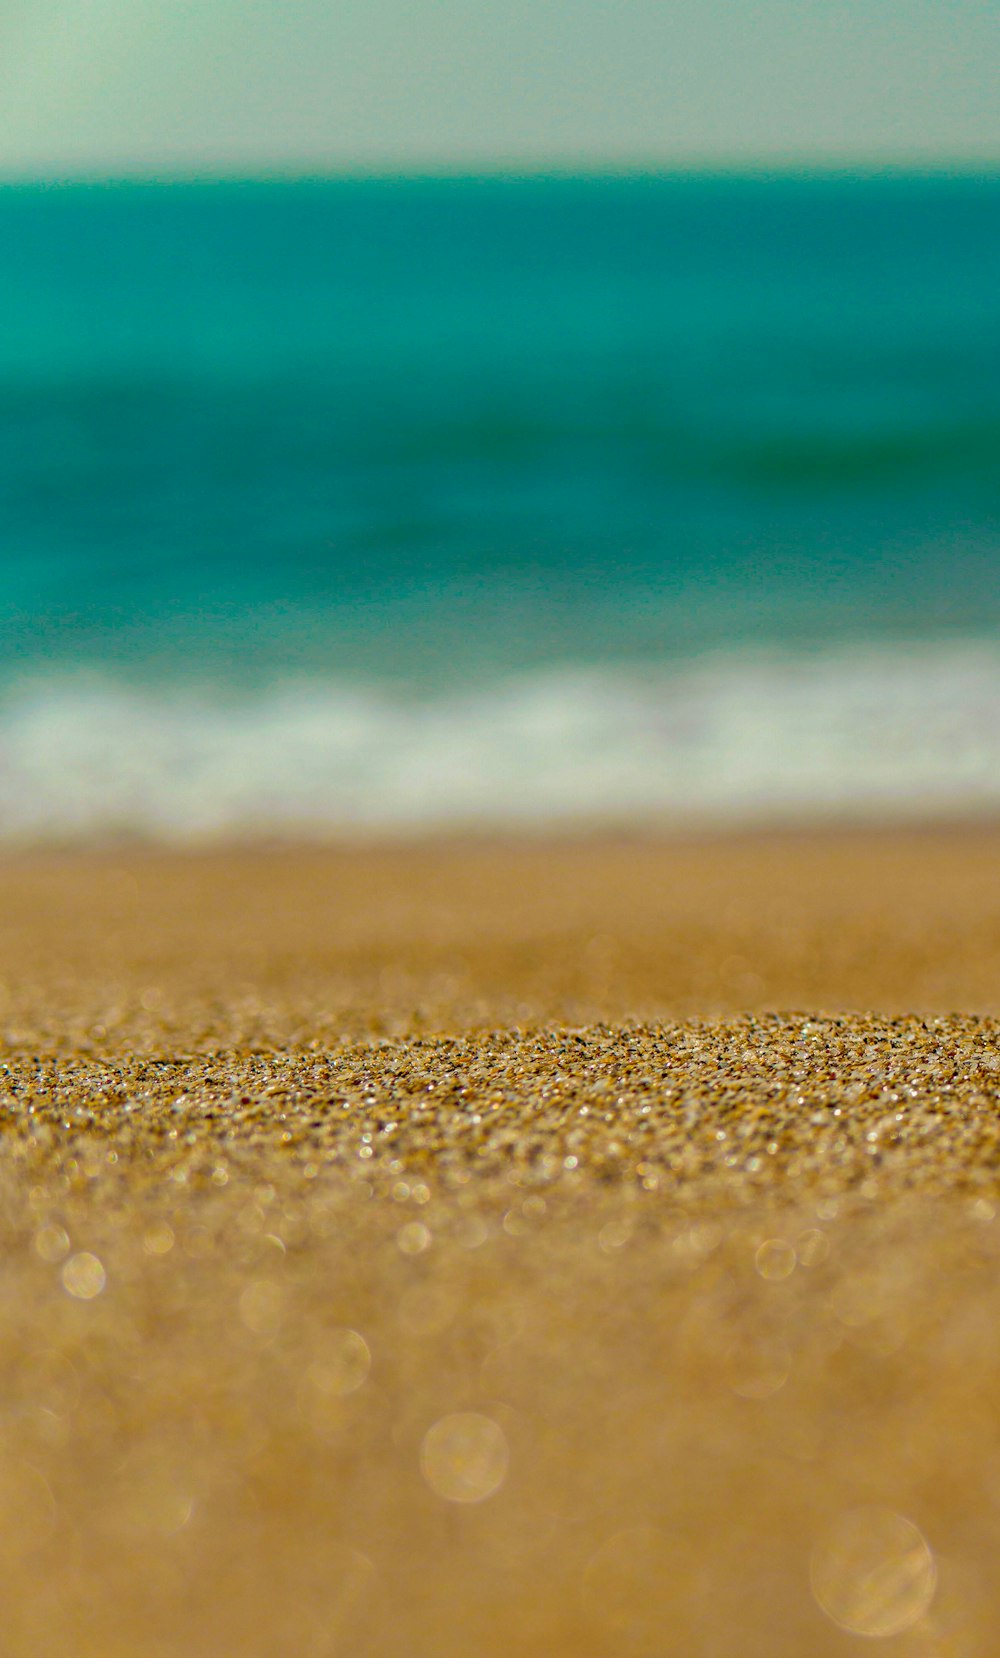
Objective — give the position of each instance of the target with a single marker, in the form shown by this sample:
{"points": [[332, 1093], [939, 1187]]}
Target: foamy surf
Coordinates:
{"points": [[898, 732]]}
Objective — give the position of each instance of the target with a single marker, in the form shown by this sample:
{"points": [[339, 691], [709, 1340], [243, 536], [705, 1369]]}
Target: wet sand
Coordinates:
{"points": [[546, 1248]]}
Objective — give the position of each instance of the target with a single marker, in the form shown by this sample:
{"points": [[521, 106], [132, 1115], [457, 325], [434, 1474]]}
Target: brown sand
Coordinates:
{"points": [[444, 1251]]}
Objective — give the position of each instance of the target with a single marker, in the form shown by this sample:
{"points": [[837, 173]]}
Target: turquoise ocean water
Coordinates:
{"points": [[329, 505]]}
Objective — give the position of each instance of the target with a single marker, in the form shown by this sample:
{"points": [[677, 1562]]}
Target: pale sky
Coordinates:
{"points": [[200, 86]]}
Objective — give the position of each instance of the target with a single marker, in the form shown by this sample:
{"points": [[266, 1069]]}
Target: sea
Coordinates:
{"points": [[395, 505]]}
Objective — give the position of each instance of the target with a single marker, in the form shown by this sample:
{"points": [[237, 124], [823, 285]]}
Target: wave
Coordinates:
{"points": [[847, 734]]}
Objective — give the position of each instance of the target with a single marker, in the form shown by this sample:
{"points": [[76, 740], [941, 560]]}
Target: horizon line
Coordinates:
{"points": [[758, 168]]}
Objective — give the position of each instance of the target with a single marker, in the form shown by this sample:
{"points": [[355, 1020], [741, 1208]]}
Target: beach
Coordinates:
{"points": [[499, 857], [287, 947], [561, 1246]]}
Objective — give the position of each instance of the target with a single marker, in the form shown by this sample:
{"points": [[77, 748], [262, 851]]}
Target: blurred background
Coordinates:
{"points": [[444, 416]]}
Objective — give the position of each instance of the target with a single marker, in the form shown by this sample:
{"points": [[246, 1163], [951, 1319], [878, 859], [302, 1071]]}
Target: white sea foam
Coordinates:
{"points": [[879, 733]]}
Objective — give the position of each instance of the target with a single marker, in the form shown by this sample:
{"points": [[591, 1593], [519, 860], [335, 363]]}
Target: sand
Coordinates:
{"points": [[581, 1248]]}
